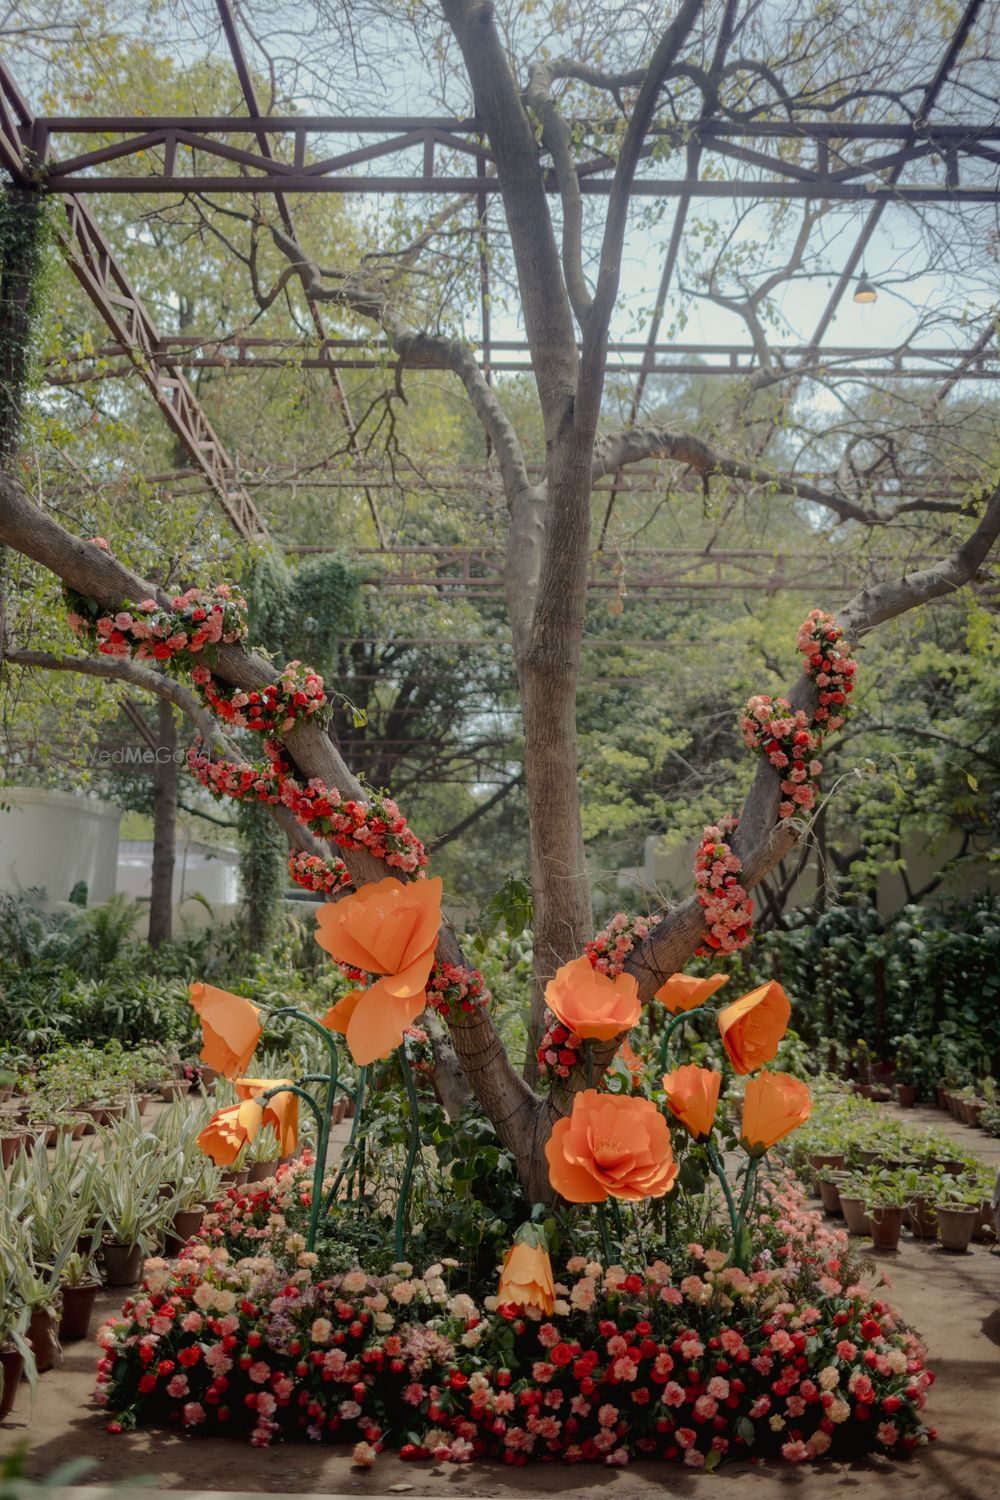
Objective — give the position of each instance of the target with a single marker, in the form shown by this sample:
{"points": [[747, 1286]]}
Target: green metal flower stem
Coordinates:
{"points": [[717, 1167], [349, 1150], [411, 1155], [324, 1117], [685, 1015]]}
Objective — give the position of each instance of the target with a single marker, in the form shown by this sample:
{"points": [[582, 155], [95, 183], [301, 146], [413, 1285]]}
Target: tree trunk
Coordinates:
{"points": [[20, 224], [161, 900], [262, 874]]}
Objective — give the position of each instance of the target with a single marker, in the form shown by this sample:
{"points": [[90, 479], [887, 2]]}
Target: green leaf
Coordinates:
{"points": [[974, 784]]}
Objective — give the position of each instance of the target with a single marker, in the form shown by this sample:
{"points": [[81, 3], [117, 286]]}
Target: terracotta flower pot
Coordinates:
{"points": [[906, 1093], [832, 1160], [44, 1338], [941, 1095], [922, 1219], [187, 1222], [830, 1194], [984, 1230], [13, 1369], [976, 1107], [113, 1112], [235, 1179], [207, 1075], [867, 1157], [122, 1264], [77, 1311], [351, 1110], [261, 1170], [886, 1224], [955, 1226], [10, 1145], [173, 1088], [854, 1213]]}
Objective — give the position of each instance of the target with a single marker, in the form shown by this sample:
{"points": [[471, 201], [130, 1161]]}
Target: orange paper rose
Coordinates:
{"points": [[389, 928], [281, 1112], [752, 1026], [685, 991], [590, 1003], [692, 1095], [229, 1130], [230, 1027], [773, 1105], [526, 1278], [613, 1145]]}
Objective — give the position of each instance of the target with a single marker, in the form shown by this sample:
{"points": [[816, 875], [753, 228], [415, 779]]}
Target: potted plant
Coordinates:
{"points": [[79, 1287], [135, 1218], [957, 1212], [885, 1203], [16, 1357], [907, 1068], [853, 1191]]}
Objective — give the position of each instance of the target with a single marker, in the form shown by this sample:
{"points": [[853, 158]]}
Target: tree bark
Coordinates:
{"points": [[161, 899]]}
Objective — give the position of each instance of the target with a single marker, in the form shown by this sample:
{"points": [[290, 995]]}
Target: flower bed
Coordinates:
{"points": [[691, 1362]]}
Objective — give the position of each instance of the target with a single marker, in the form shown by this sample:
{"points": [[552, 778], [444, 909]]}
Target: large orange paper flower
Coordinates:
{"points": [[374, 1020], [773, 1105], [230, 1026], [229, 1130], [590, 1003], [692, 1095], [613, 1145], [526, 1278], [389, 928], [686, 991], [752, 1026], [281, 1112]]}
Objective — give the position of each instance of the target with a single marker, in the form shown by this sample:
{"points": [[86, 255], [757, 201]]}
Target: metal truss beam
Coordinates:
{"points": [[196, 154], [93, 262], [209, 351]]}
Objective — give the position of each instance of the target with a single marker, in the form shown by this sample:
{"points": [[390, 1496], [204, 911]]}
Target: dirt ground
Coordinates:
{"points": [[954, 1301]]}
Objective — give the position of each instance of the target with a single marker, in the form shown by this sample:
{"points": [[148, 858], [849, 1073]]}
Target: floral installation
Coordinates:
{"points": [[454, 991], [148, 631], [314, 873], [375, 826], [613, 944], [728, 908], [274, 709], [689, 1361]]}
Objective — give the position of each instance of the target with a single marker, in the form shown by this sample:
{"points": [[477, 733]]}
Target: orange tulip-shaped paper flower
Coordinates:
{"points": [[281, 1112], [230, 1026], [686, 991], [692, 1095], [612, 1146], [773, 1105], [526, 1277], [388, 928], [590, 1003], [752, 1026], [229, 1130]]}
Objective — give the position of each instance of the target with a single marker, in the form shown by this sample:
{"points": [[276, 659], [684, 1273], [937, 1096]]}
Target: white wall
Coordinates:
{"points": [[199, 870], [55, 839]]}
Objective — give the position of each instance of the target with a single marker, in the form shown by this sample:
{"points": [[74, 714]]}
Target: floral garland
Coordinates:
{"points": [[419, 1049], [313, 873], [773, 728], [829, 663], [613, 944], [559, 1051], [792, 742], [273, 709], [728, 908], [451, 989], [376, 826], [149, 631]]}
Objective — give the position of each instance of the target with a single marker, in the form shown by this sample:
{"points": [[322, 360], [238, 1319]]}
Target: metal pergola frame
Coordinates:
{"points": [[197, 154]]}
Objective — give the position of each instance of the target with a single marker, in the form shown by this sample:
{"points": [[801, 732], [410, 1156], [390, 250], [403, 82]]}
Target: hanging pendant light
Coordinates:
{"points": [[865, 291]]}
